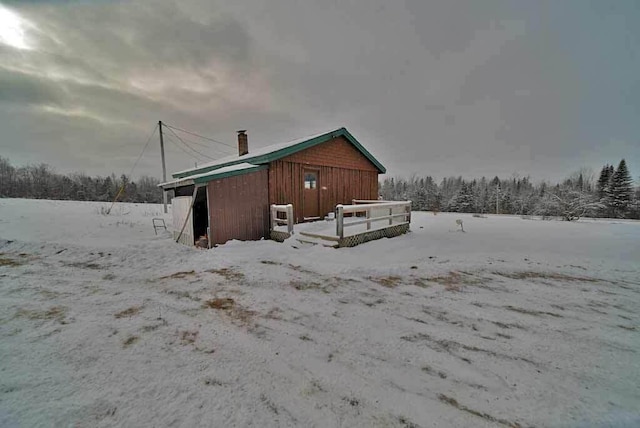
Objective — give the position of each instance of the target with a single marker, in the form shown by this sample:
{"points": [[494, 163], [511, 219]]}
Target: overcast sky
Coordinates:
{"points": [[439, 88]]}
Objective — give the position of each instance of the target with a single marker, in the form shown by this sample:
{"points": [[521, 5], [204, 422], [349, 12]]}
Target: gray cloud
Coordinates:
{"points": [[21, 88], [141, 33], [440, 88]]}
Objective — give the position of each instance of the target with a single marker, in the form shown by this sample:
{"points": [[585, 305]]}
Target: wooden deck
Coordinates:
{"points": [[361, 237], [365, 220]]}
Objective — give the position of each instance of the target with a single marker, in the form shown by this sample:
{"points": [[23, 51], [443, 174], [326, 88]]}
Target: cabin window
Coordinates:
{"points": [[310, 181]]}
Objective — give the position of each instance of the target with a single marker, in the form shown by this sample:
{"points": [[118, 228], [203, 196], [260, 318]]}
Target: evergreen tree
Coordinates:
{"points": [[610, 173], [603, 182], [620, 189], [604, 190], [481, 197], [506, 206], [419, 199], [462, 202], [466, 199], [635, 211]]}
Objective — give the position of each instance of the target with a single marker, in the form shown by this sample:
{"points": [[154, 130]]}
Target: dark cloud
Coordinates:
{"points": [[118, 35], [21, 88]]}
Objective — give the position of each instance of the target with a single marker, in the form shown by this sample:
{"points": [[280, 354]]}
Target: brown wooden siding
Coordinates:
{"points": [[336, 153], [337, 186], [344, 174], [239, 207]]}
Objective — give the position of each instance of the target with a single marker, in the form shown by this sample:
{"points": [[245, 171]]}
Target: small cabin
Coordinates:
{"points": [[229, 198]]}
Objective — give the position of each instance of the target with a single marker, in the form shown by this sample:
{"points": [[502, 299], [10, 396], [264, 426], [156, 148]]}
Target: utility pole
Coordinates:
{"points": [[164, 167]]}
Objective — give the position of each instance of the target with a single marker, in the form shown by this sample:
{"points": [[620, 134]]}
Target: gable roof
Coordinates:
{"points": [[274, 152]]}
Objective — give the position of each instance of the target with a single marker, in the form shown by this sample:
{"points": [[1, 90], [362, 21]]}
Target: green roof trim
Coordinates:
{"points": [[219, 176], [287, 151]]}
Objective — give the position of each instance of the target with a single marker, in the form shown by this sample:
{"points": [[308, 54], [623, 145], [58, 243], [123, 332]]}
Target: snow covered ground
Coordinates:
{"points": [[513, 323]]}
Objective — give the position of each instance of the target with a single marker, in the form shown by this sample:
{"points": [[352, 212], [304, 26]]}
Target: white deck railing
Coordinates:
{"points": [[375, 211], [288, 220]]}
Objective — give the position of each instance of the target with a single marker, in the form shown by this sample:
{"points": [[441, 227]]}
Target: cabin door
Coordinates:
{"points": [[311, 196]]}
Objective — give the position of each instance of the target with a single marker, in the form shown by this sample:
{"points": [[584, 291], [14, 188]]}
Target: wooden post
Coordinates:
{"points": [[339, 221], [274, 214], [368, 217], [390, 218], [408, 210], [164, 167], [290, 218]]}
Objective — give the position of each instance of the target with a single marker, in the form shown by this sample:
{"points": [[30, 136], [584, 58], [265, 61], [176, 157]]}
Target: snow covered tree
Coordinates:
{"points": [[481, 197], [506, 205], [568, 203], [419, 199], [7, 178], [387, 189], [462, 202]]}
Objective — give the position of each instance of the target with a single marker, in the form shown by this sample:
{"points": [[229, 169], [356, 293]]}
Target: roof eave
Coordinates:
{"points": [[175, 184], [364, 151], [212, 177]]}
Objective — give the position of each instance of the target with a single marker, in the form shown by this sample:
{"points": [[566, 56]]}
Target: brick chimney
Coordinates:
{"points": [[243, 144]]}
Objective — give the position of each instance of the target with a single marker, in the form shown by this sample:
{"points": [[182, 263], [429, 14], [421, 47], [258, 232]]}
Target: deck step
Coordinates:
{"points": [[315, 240], [318, 236]]}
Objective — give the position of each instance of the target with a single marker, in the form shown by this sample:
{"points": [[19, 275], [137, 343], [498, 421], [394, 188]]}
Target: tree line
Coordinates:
{"points": [[42, 182], [611, 194]]}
